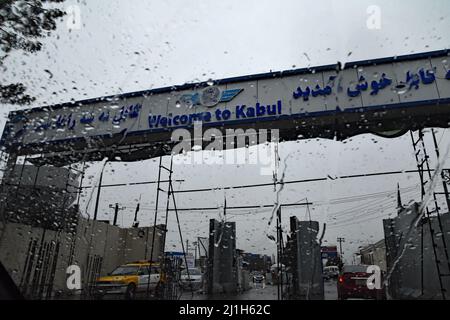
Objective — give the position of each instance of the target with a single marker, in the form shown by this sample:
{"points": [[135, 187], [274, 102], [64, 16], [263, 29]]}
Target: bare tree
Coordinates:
{"points": [[22, 24]]}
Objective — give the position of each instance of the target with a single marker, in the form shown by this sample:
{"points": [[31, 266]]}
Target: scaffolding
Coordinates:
{"points": [[433, 209], [172, 287]]}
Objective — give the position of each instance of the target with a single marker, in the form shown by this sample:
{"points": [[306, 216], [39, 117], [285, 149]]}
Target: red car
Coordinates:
{"points": [[352, 283]]}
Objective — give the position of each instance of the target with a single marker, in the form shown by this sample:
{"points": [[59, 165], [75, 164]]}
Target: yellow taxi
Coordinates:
{"points": [[130, 278]]}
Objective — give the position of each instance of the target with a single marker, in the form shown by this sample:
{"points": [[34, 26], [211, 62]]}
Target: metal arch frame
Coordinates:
{"points": [[290, 124]]}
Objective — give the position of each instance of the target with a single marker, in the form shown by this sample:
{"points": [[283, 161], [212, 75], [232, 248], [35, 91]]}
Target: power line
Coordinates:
{"points": [[260, 209], [356, 222], [341, 200], [237, 207], [299, 181], [369, 195], [388, 194], [365, 214], [361, 216], [363, 206], [340, 240], [130, 184], [367, 211]]}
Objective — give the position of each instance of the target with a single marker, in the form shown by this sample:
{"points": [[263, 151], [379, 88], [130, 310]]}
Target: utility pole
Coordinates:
{"points": [[187, 254], [279, 256], [135, 221], [116, 212], [97, 201], [340, 240], [195, 243]]}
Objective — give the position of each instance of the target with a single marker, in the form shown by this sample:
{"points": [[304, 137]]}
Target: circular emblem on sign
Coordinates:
{"points": [[186, 100], [210, 96]]}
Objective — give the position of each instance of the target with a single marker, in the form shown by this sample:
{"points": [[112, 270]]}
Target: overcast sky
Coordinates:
{"points": [[123, 46]]}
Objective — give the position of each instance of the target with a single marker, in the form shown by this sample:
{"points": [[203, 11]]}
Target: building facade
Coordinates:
{"points": [[374, 254]]}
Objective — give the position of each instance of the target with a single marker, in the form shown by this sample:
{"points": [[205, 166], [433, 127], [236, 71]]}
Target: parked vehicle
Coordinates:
{"points": [[258, 277], [129, 279], [330, 272], [193, 280], [352, 283]]}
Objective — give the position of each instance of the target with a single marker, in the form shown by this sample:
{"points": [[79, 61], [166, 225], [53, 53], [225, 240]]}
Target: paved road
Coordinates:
{"points": [[330, 288], [260, 292], [257, 292]]}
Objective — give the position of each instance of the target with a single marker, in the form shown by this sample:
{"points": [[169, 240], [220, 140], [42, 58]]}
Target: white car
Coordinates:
{"points": [[194, 280], [331, 272]]}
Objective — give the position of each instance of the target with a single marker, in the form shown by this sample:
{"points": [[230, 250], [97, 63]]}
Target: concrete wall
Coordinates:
{"points": [[37, 259], [415, 275], [222, 262], [44, 176], [40, 196], [309, 261]]}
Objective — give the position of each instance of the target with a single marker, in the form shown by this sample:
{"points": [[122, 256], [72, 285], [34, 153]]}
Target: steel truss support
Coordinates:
{"points": [[433, 210]]}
